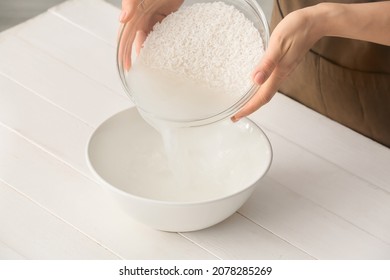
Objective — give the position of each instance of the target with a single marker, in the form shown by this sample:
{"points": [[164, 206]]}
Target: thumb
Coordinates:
{"points": [[272, 56], [264, 69], [128, 9], [261, 76]]}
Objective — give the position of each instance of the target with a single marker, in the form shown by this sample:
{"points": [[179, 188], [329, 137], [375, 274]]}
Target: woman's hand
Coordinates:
{"points": [[156, 10], [141, 16], [289, 42], [298, 32]]}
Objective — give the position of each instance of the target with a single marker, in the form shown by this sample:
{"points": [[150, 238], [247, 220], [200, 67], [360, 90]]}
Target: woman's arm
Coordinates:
{"points": [[301, 29], [367, 21]]}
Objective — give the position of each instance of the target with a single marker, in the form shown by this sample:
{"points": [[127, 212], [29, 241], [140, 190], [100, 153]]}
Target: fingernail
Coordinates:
{"points": [[122, 16], [259, 78], [235, 119]]}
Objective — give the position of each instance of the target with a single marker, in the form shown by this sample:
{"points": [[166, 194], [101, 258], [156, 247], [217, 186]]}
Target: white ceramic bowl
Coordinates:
{"points": [[128, 156]]}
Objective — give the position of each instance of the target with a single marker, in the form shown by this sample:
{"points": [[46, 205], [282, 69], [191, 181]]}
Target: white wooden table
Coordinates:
{"points": [[327, 195]]}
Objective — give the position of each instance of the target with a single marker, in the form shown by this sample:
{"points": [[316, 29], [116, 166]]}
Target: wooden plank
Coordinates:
{"points": [[13, 12], [330, 204], [38, 120], [239, 238], [7, 253], [83, 204], [226, 237], [134, 241], [36, 127], [37, 234], [58, 83], [46, 125], [327, 139], [72, 46], [95, 26], [348, 196], [310, 227], [88, 14]]}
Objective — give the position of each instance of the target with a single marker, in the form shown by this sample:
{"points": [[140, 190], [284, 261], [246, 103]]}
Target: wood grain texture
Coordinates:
{"points": [[26, 123], [7, 253], [240, 238], [342, 193], [74, 47], [281, 247], [44, 124], [86, 15], [319, 135], [58, 83], [326, 195], [14, 12], [309, 226], [82, 203], [36, 233]]}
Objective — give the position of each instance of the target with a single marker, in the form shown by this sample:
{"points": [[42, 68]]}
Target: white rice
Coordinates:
{"points": [[210, 43]]}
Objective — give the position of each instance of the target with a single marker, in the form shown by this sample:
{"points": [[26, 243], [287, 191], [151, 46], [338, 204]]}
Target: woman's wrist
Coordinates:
{"points": [[362, 21], [317, 21], [324, 18]]}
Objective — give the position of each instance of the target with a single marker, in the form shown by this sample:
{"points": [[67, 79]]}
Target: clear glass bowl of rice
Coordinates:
{"points": [[195, 66]]}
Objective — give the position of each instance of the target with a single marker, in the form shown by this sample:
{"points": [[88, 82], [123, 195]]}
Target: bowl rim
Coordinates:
{"points": [[109, 186], [227, 112]]}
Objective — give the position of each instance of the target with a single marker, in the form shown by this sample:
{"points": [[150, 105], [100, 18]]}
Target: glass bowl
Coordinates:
{"points": [[185, 114]]}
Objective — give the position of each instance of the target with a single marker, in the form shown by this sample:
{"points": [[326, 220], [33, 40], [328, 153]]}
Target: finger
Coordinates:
{"points": [[265, 75], [264, 70], [262, 97], [139, 40], [129, 48], [126, 45], [268, 63], [128, 9]]}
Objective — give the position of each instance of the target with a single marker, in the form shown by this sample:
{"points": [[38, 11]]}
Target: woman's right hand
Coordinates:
{"points": [[141, 16]]}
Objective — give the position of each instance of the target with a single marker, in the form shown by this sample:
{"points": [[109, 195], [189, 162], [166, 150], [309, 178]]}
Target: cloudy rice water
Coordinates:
{"points": [[195, 64]]}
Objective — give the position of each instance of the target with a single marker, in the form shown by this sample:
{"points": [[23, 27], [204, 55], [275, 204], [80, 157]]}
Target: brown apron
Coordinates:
{"points": [[343, 79]]}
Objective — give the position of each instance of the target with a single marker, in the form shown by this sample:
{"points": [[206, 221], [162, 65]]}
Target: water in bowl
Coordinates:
{"points": [[195, 164], [193, 66]]}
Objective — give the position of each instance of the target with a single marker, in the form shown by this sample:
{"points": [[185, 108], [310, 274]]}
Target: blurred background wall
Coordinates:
{"points": [[13, 12]]}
